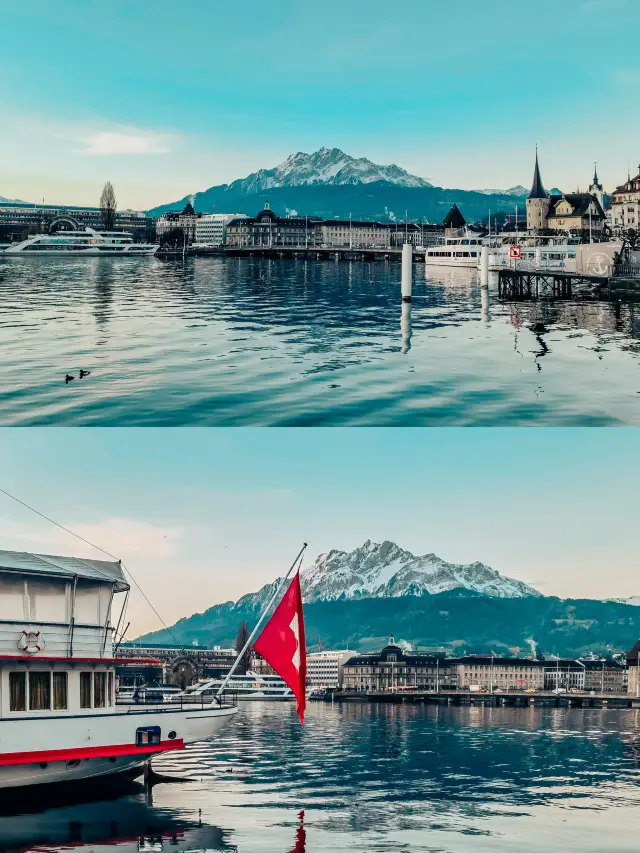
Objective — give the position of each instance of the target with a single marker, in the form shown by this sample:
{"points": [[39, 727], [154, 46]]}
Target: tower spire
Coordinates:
{"points": [[537, 190]]}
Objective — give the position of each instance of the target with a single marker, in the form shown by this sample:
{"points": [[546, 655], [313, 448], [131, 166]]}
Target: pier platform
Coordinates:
{"points": [[538, 284], [509, 699]]}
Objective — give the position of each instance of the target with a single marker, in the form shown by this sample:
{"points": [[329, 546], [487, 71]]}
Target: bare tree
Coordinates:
{"points": [[108, 206], [241, 638]]}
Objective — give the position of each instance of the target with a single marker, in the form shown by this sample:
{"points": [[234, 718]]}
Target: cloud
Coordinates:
{"points": [[124, 537], [118, 142]]}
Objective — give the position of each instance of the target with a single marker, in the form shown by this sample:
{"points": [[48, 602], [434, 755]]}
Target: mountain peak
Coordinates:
{"points": [[325, 166], [382, 570]]}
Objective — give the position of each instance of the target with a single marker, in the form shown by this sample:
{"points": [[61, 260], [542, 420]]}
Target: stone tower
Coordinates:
{"points": [[596, 189], [537, 203]]}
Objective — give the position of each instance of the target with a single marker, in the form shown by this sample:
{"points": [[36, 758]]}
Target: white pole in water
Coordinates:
{"points": [[407, 272], [405, 326], [259, 622], [484, 266]]}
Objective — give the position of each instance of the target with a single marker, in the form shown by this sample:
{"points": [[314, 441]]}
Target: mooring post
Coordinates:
{"points": [[484, 266], [407, 272]]}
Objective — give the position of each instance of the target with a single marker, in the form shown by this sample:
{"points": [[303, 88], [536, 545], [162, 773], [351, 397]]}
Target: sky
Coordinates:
{"points": [[165, 100], [202, 516]]}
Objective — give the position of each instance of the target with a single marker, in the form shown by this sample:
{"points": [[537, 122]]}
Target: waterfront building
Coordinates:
{"points": [[211, 228], [394, 668], [604, 676], [562, 674], [490, 672], [633, 664], [19, 219], [570, 212], [185, 664], [268, 231], [325, 670], [182, 220], [625, 206]]}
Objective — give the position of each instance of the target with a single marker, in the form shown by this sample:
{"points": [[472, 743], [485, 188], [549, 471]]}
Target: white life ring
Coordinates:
{"points": [[31, 641]]}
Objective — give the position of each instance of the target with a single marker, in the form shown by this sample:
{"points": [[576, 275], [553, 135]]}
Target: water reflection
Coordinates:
{"points": [[281, 342], [360, 777]]}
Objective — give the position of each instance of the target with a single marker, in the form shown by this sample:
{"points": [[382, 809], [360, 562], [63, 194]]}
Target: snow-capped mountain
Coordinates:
{"points": [[10, 200], [387, 571], [518, 190], [325, 166]]}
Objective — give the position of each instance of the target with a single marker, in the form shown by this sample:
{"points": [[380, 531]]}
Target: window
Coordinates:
{"points": [[17, 691], [39, 691], [85, 689], [60, 691], [99, 689], [110, 690]]}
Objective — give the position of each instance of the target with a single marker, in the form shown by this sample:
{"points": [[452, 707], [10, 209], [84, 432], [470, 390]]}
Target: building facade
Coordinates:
{"points": [[572, 213], [489, 672], [394, 668], [211, 228], [269, 231], [633, 671], [325, 670], [625, 206], [17, 221], [603, 676], [183, 221]]}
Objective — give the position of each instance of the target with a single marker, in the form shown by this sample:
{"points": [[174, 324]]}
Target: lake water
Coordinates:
{"points": [[216, 341], [371, 778]]}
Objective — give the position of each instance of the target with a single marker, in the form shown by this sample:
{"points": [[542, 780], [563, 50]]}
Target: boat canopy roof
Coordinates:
{"points": [[49, 564]]}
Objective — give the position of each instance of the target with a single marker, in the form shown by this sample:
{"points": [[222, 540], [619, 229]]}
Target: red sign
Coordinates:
{"points": [[515, 252]]}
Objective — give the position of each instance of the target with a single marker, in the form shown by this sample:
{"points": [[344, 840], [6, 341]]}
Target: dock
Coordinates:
{"points": [[309, 253], [511, 699], [538, 284]]}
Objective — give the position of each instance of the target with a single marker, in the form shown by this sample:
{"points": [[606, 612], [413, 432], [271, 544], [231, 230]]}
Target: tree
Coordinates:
{"points": [[241, 638], [174, 238], [108, 206]]}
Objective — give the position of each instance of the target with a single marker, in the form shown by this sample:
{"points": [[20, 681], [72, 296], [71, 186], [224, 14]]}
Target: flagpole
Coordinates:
{"points": [[259, 622]]}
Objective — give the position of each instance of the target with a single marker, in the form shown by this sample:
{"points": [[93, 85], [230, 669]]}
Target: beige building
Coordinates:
{"points": [[625, 206], [633, 665], [488, 672], [184, 220], [394, 668], [571, 212]]}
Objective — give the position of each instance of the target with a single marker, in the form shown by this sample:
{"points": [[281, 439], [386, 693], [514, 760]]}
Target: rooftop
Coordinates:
{"points": [[57, 566]]}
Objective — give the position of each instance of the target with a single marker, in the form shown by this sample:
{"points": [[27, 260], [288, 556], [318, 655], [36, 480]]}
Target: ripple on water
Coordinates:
{"points": [[275, 342]]}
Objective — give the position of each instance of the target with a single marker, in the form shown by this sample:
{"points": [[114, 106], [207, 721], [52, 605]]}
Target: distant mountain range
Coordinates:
{"points": [[357, 599], [330, 183]]}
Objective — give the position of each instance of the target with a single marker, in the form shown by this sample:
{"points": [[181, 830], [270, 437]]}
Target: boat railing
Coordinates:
{"points": [[183, 702], [626, 271]]}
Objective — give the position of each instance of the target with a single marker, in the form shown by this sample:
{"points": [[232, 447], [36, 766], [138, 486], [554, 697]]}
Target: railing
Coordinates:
{"points": [[187, 703], [626, 271]]}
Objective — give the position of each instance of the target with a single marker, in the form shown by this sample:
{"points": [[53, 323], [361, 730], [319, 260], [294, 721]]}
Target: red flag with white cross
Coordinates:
{"points": [[282, 643]]}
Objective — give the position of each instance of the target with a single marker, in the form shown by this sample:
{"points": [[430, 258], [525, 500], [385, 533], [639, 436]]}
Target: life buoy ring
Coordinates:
{"points": [[31, 641]]}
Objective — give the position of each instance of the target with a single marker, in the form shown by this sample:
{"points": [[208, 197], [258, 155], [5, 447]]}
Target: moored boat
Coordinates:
{"points": [[59, 720], [88, 242]]}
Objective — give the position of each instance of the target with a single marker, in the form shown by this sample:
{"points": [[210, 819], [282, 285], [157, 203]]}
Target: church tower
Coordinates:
{"points": [[596, 187], [537, 203]]}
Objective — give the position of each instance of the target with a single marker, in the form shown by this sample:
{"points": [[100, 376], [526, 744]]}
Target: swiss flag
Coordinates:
{"points": [[282, 643]]}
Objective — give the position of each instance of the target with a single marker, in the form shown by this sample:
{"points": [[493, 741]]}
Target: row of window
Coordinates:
{"points": [[46, 691]]}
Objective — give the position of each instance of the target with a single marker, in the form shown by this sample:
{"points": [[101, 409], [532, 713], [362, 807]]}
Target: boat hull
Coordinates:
{"points": [[97, 745]]}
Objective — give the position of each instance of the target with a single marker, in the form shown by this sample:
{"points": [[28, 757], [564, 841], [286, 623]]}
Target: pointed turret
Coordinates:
{"points": [[596, 182], [454, 219], [537, 190]]}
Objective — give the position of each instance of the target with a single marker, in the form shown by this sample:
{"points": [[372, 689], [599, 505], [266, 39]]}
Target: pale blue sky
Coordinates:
{"points": [[164, 99], [202, 516]]}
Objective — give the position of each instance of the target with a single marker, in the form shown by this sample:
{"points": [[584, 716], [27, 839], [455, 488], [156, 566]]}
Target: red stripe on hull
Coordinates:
{"points": [[8, 758]]}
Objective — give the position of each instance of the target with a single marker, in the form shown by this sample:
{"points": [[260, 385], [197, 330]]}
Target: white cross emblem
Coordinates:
{"points": [[296, 633]]}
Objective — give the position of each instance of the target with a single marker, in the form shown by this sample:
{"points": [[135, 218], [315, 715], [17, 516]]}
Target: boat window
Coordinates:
{"points": [[39, 691], [12, 599], [110, 690], [60, 691], [47, 600], [17, 691], [85, 689], [99, 689]]}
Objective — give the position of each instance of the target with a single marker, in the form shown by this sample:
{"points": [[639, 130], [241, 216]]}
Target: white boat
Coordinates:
{"points": [[59, 720], [460, 251], [88, 242], [248, 687]]}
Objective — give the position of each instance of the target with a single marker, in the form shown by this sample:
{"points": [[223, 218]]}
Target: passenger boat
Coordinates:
{"points": [[459, 251], [59, 721], [88, 242], [247, 687]]}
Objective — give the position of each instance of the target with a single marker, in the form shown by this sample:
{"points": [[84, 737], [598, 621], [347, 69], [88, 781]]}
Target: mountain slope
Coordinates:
{"points": [[386, 570], [330, 183], [357, 599], [325, 166]]}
